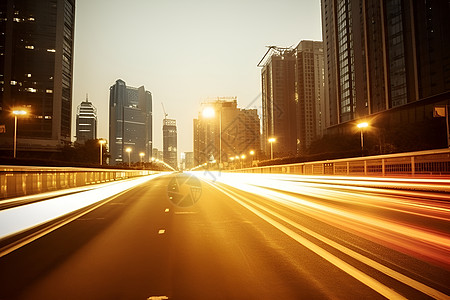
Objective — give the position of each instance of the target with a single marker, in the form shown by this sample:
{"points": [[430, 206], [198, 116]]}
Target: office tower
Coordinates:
{"points": [[86, 123], [130, 122], [278, 102], [189, 160], [36, 58], [170, 142], [385, 55], [309, 90], [229, 131]]}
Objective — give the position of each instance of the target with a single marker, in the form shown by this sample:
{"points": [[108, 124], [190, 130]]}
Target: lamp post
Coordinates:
{"points": [[361, 126], [141, 156], [129, 156], [101, 142], [17, 113], [271, 141], [252, 153], [209, 112], [242, 160]]}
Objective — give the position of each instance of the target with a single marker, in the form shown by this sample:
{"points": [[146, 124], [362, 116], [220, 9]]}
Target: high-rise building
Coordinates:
{"points": [[384, 55], [130, 122], [189, 160], [238, 128], [36, 59], [86, 122], [278, 102], [309, 90], [170, 142]]}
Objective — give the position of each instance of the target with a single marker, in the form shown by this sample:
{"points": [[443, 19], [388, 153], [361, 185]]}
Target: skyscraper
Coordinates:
{"points": [[381, 55], [86, 122], [309, 90], [36, 58], [238, 128], [278, 102], [170, 142], [130, 122]]}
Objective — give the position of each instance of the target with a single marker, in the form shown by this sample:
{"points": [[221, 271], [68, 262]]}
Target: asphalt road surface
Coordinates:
{"points": [[179, 237]]}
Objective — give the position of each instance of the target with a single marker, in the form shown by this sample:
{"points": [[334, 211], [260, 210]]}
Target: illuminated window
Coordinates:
{"points": [[49, 91], [48, 117], [13, 82], [31, 90], [30, 19], [29, 47], [51, 50], [28, 75]]}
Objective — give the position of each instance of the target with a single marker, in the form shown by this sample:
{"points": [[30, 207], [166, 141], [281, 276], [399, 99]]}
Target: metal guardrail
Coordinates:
{"points": [[420, 163], [18, 181]]}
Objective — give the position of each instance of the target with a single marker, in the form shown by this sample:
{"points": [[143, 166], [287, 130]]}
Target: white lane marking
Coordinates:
{"points": [[376, 265], [349, 269], [167, 210], [157, 298], [161, 231], [185, 213]]}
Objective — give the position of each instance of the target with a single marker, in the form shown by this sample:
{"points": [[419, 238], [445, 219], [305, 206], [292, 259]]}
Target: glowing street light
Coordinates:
{"points": [[362, 126], [252, 153], [271, 141], [141, 155], [129, 156], [17, 113], [101, 142]]}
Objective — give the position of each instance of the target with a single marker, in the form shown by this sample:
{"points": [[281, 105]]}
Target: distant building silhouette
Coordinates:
{"points": [[170, 142], [36, 59], [86, 122], [240, 132], [130, 122]]}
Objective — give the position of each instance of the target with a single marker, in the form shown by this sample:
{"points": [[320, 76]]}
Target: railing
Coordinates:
{"points": [[19, 181], [421, 163]]}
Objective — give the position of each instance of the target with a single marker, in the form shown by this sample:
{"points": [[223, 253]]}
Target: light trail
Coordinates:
{"points": [[364, 278], [325, 203], [18, 219]]}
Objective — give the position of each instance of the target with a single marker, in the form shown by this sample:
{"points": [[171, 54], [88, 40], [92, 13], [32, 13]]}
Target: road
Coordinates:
{"points": [[179, 237]]}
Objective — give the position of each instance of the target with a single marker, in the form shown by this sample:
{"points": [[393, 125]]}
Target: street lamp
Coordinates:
{"points": [[208, 113], [271, 141], [17, 113], [362, 126], [129, 156], [141, 155], [252, 153], [242, 160], [101, 142]]}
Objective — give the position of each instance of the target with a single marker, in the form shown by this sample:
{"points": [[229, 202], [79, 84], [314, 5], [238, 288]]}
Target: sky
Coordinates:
{"points": [[183, 52]]}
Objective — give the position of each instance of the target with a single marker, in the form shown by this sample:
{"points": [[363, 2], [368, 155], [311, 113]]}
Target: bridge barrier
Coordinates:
{"points": [[420, 163], [18, 181]]}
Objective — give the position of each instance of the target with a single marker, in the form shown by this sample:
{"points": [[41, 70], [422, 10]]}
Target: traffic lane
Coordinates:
{"points": [[416, 227], [408, 275], [212, 250], [223, 251], [35, 267]]}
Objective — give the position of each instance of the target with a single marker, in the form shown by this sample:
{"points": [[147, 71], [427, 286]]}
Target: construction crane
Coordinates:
{"points": [[164, 110], [278, 50]]}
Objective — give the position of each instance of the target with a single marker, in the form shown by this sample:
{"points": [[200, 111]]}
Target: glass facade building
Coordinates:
{"points": [[86, 122], [36, 65], [130, 122]]}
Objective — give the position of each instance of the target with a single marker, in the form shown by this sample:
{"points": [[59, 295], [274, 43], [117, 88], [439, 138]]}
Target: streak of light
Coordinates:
{"points": [[17, 219], [349, 269], [434, 245], [392, 273]]}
